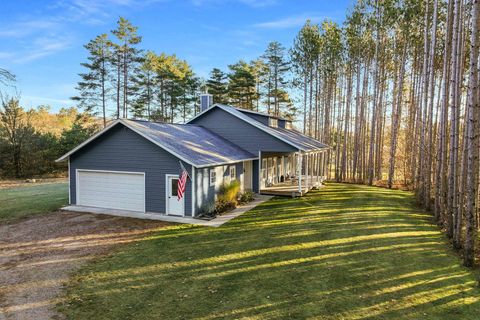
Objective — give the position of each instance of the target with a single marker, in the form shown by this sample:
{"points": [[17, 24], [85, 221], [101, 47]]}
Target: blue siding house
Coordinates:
{"points": [[134, 165]]}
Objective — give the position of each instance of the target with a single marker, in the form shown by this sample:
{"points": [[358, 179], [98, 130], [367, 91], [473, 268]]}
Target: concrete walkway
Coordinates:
{"points": [[217, 222]]}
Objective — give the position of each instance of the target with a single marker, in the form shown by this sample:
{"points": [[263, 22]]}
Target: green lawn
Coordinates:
{"points": [[20, 202], [345, 252]]}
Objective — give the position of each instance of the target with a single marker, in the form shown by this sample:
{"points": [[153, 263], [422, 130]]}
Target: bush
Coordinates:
{"points": [[229, 192], [223, 205], [247, 196], [227, 197]]}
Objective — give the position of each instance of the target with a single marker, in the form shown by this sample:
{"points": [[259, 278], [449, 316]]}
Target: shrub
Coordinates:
{"points": [[227, 197], [229, 192], [247, 196], [223, 205]]}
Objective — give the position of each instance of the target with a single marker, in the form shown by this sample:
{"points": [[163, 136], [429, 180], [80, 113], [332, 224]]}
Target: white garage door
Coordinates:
{"points": [[113, 190]]}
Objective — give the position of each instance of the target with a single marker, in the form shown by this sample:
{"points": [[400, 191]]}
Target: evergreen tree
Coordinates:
{"points": [[126, 58], [145, 84], [278, 67], [242, 85], [304, 55], [260, 72], [217, 86], [94, 88]]}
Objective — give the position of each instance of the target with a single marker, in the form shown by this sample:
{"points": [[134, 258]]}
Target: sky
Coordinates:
{"points": [[41, 42]]}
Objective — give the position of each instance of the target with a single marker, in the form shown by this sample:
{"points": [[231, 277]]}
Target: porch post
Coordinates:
{"points": [[307, 171], [321, 163], [325, 164], [259, 171], [299, 171], [318, 168], [312, 169]]}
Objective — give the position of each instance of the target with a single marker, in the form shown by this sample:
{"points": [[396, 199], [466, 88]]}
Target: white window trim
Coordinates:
{"points": [[212, 171], [234, 169]]}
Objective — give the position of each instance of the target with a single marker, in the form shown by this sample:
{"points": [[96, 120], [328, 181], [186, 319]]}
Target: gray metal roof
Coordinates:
{"points": [[196, 145], [290, 136], [260, 113], [305, 142]]}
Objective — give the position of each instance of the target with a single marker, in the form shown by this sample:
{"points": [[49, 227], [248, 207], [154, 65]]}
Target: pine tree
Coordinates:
{"points": [[144, 81], [242, 85], [259, 71], [94, 88], [217, 86], [304, 56], [125, 59], [278, 66]]}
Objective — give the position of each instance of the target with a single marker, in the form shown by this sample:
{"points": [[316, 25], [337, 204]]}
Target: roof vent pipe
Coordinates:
{"points": [[206, 101]]}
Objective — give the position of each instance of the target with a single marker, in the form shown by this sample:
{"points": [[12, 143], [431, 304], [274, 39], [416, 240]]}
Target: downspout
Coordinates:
{"points": [[194, 181]]}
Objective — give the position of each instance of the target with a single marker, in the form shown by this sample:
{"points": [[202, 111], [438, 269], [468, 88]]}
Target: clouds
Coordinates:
{"points": [[44, 46], [289, 22], [24, 28], [31, 40], [55, 28]]}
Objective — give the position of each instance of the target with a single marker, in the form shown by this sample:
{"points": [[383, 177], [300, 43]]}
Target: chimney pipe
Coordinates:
{"points": [[206, 101]]}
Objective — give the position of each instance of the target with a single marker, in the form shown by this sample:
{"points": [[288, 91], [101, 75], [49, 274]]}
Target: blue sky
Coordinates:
{"points": [[42, 41]]}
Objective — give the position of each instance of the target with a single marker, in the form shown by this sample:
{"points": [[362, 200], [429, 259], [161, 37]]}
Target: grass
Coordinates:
{"points": [[21, 202], [344, 252]]}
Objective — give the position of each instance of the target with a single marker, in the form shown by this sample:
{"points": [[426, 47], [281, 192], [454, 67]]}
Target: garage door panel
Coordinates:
{"points": [[115, 190], [107, 189]]}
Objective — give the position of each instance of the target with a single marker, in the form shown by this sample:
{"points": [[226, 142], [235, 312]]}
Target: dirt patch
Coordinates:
{"points": [[38, 254], [5, 184]]}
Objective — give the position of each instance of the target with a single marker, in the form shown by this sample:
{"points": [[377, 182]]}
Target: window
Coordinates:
{"points": [[233, 174], [213, 177], [273, 122], [174, 188]]}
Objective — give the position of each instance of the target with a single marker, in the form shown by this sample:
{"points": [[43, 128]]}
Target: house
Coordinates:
{"points": [[134, 165]]}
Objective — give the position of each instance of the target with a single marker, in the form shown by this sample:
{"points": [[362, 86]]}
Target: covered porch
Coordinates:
{"points": [[292, 174]]}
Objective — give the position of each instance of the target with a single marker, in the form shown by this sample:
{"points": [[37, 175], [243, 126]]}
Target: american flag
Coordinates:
{"points": [[182, 182]]}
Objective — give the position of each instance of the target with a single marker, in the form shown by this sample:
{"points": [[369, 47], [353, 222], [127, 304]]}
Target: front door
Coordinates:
{"points": [[247, 175], [174, 206]]}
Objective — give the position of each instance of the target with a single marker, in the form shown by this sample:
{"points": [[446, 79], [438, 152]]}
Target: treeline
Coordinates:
{"points": [[261, 85], [395, 92], [31, 140], [121, 80]]}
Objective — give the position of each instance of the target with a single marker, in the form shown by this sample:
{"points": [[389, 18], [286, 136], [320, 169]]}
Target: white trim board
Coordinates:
{"points": [[69, 181]]}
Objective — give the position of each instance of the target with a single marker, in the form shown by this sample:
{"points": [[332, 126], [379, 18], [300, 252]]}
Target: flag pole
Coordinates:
{"points": [[183, 168]]}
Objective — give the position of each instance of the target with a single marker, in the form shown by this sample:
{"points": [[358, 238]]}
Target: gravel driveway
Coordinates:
{"points": [[38, 254]]}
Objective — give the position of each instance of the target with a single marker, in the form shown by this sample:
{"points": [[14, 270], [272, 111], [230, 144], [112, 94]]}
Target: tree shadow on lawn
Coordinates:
{"points": [[328, 261]]}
